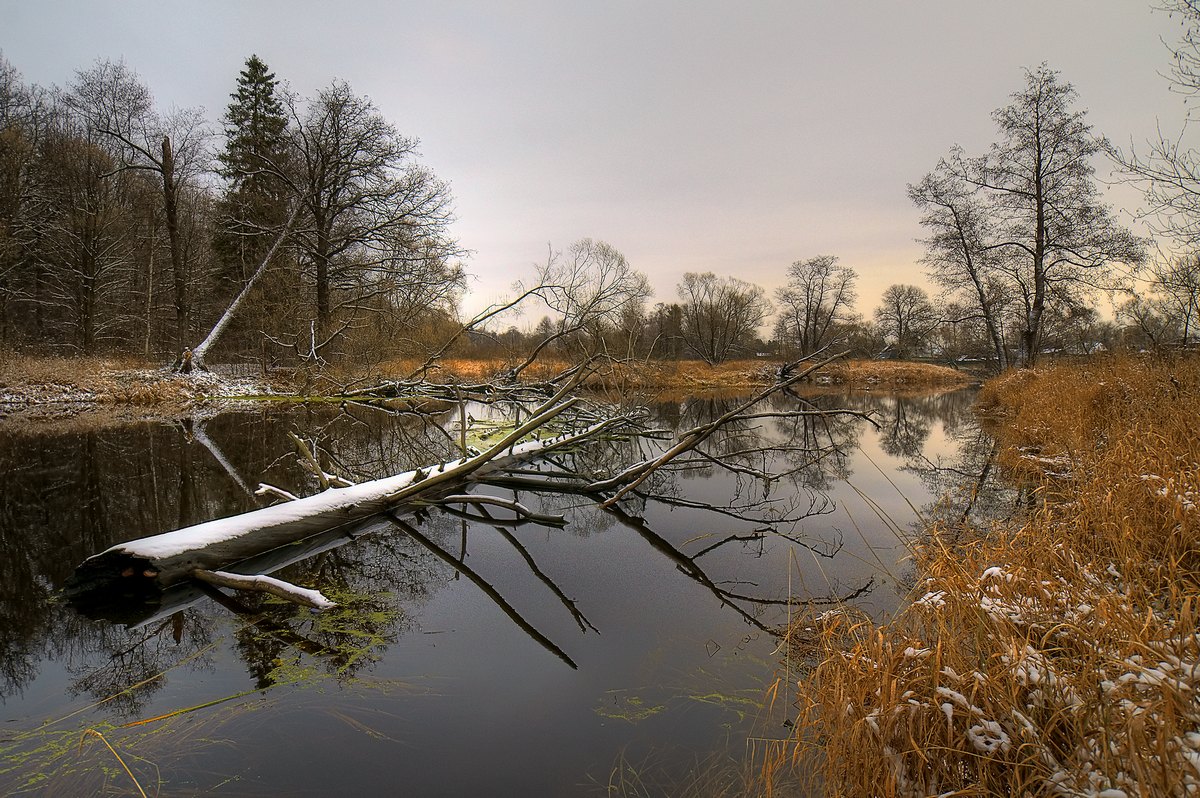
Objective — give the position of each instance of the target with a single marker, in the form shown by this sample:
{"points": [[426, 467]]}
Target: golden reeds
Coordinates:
{"points": [[1059, 655], [893, 374]]}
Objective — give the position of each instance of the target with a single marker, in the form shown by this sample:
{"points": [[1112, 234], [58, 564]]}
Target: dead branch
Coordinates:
{"points": [[508, 504], [636, 474], [265, 584]]}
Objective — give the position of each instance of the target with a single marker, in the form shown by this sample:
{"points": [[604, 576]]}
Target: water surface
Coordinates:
{"points": [[472, 657]]}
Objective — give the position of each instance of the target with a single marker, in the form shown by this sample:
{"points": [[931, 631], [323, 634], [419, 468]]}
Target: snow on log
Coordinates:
{"points": [[144, 604], [171, 557]]}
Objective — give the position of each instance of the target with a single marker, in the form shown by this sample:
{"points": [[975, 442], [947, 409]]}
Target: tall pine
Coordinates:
{"points": [[254, 204]]}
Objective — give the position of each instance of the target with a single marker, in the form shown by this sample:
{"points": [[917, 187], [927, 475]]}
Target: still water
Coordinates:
{"points": [[632, 649]]}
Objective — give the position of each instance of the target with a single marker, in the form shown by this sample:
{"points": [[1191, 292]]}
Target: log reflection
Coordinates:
{"points": [[763, 479]]}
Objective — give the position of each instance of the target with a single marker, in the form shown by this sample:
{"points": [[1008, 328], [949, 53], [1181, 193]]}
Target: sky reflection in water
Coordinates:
{"points": [[667, 608]]}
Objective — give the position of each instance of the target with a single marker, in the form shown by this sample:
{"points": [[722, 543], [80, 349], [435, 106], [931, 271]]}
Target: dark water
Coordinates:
{"points": [[634, 648]]}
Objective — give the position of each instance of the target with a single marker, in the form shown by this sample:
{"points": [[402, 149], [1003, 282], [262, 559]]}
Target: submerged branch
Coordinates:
{"points": [[265, 584], [508, 504], [483, 585], [635, 475]]}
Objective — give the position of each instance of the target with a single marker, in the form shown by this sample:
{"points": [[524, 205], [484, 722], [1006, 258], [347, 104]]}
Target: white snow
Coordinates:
{"points": [[346, 500], [170, 544], [935, 599], [988, 737], [997, 572], [312, 597]]}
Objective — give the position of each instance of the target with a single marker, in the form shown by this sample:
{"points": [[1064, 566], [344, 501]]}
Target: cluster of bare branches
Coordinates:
{"points": [[1021, 234]]}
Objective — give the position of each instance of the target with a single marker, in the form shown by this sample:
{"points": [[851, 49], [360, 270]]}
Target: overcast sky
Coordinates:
{"points": [[691, 135]]}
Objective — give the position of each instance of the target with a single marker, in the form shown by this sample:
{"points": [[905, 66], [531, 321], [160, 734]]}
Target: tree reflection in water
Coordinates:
{"points": [[756, 490]]}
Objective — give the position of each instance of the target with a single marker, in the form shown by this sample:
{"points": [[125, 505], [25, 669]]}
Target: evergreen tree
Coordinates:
{"points": [[254, 204], [255, 201]]}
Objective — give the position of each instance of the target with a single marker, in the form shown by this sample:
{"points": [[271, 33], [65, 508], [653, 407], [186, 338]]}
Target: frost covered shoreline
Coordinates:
{"points": [[67, 384]]}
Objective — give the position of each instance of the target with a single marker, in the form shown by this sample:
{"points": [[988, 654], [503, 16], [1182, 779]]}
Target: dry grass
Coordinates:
{"points": [[18, 370], [92, 380], [683, 375], [62, 384], [1059, 656], [660, 374], [893, 373]]}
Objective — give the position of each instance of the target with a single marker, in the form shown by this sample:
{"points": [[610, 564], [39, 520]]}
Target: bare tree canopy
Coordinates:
{"points": [[375, 227], [597, 298], [1166, 168], [906, 318], [721, 315], [957, 256], [173, 147], [1026, 218], [818, 298], [1167, 312]]}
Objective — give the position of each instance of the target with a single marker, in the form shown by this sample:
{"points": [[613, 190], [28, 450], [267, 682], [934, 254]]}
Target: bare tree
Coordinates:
{"points": [[1047, 228], [665, 330], [593, 292], [174, 148], [18, 143], [85, 238], [721, 315], [1177, 282], [818, 298], [374, 232], [1168, 170], [957, 251], [1169, 312], [906, 317]]}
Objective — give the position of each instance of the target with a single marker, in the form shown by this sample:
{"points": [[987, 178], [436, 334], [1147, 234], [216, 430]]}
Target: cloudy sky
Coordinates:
{"points": [[691, 135]]}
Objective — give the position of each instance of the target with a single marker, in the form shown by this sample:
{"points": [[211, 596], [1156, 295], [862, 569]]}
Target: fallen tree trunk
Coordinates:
{"points": [[172, 557], [148, 566], [139, 603]]}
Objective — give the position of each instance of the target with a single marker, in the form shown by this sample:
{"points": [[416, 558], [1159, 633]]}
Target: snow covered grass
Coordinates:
{"points": [[1056, 655], [87, 381]]}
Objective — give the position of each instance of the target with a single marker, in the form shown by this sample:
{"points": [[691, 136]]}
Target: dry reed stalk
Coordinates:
{"points": [[128, 772], [1060, 656]]}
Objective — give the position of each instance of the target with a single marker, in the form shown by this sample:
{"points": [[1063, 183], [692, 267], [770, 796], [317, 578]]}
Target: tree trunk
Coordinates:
{"points": [[170, 206], [163, 560], [321, 267]]}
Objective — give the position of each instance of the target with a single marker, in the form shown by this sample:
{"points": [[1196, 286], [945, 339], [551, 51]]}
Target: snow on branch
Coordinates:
{"points": [[266, 584]]}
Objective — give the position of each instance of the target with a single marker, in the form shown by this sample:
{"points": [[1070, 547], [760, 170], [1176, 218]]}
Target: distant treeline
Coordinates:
{"points": [[125, 229]]}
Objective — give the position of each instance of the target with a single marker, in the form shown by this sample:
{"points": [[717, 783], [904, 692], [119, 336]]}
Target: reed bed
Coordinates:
{"points": [[893, 374], [1054, 655]]}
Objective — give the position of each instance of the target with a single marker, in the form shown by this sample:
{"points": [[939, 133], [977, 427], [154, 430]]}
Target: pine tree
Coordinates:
{"points": [[255, 201]]}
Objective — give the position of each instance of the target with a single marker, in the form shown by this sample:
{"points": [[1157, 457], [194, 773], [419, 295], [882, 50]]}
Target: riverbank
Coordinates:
{"points": [[1055, 654], [52, 385]]}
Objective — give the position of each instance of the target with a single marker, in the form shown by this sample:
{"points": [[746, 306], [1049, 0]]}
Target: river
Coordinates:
{"points": [[631, 652]]}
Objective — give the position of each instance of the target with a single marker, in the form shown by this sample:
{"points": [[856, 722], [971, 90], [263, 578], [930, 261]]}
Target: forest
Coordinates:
{"points": [[306, 231]]}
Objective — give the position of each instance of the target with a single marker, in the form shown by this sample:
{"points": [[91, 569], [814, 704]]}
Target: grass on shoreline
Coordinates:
{"points": [[114, 381], [1058, 655]]}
